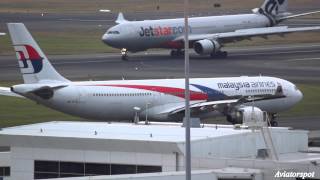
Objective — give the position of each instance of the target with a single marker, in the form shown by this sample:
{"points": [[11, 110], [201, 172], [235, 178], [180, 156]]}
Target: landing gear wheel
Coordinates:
{"points": [[173, 53], [219, 54], [124, 57], [124, 54], [274, 124], [224, 54], [177, 53]]}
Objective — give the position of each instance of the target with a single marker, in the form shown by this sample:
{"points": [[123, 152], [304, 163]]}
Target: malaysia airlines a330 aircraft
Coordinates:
{"points": [[207, 34], [160, 100]]}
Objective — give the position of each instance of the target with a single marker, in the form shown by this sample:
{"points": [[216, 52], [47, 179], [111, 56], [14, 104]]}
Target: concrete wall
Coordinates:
{"points": [[173, 176], [5, 159], [226, 173], [246, 145]]}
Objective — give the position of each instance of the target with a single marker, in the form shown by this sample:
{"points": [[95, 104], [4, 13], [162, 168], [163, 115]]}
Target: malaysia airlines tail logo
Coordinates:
{"points": [[30, 62]]}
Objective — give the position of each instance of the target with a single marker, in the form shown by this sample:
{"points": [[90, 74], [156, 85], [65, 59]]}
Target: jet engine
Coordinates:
{"points": [[245, 114], [206, 47]]}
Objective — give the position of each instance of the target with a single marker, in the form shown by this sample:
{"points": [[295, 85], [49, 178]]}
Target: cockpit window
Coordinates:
{"points": [[113, 32], [296, 88]]}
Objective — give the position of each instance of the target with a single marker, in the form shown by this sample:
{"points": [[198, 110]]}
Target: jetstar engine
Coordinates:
{"points": [[207, 47]]}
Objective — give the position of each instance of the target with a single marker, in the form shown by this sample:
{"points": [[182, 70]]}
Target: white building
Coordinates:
{"points": [[68, 149]]}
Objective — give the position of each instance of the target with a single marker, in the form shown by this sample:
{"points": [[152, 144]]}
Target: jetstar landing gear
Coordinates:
{"points": [[177, 53], [219, 54], [124, 54]]}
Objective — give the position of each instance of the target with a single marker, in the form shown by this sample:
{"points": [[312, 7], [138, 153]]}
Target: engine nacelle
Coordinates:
{"points": [[246, 114], [206, 46]]}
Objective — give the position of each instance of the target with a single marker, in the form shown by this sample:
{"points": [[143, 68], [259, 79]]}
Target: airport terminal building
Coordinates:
{"points": [[99, 150]]}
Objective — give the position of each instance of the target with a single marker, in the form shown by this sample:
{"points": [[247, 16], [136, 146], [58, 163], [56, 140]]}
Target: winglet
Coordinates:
{"points": [[120, 18]]}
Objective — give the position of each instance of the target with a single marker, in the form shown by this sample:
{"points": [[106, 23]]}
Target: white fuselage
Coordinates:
{"points": [[142, 35], [116, 100]]}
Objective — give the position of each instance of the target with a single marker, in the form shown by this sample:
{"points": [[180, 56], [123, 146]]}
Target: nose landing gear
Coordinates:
{"points": [[124, 54], [219, 54]]}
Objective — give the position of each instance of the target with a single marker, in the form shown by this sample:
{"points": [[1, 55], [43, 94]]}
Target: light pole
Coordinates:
{"points": [[187, 92]]}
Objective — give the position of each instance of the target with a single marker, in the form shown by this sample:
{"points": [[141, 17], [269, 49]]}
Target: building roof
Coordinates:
{"points": [[118, 131], [154, 138]]}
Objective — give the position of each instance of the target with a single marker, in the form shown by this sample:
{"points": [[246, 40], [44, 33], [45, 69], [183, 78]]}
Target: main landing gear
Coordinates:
{"points": [[177, 53], [124, 54], [219, 54]]}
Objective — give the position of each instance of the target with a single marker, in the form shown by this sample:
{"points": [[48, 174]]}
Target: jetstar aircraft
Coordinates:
{"points": [[160, 100], [207, 34], [2, 34]]}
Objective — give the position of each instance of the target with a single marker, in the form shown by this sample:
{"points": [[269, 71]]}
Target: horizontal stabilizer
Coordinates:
{"points": [[296, 15], [5, 91]]}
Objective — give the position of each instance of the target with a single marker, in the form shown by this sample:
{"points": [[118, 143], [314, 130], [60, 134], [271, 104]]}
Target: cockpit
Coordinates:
{"points": [[113, 32], [117, 36]]}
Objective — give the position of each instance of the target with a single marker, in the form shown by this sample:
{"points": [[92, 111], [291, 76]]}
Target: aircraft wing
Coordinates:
{"points": [[5, 91], [2, 34], [242, 34], [225, 106]]}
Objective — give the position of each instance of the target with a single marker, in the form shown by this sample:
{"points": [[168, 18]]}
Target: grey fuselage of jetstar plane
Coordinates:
{"points": [[160, 100], [142, 35], [207, 34]]}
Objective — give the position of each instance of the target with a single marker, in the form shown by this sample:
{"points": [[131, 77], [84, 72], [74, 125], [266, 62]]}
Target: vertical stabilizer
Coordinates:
{"points": [[120, 18], [274, 7], [33, 63]]}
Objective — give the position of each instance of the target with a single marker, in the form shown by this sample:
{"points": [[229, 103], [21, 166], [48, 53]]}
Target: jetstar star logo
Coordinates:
{"points": [[273, 5]]}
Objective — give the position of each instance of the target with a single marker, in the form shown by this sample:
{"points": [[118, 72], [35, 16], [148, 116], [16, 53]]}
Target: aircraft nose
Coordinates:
{"points": [[299, 95], [106, 39]]}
